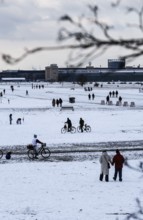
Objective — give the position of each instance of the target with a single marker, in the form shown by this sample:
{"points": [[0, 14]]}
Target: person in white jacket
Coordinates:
{"points": [[35, 141], [105, 161]]}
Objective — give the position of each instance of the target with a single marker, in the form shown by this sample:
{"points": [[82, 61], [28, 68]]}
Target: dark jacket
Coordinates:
{"points": [[118, 160], [69, 122], [8, 156], [81, 122]]}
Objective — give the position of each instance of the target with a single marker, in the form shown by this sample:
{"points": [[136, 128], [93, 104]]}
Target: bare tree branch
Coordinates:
{"points": [[140, 17], [138, 214]]}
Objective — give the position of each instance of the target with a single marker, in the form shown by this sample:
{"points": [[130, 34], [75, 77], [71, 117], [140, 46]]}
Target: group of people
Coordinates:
{"points": [[113, 93], [69, 124], [18, 121], [37, 86], [108, 98], [105, 161], [88, 88], [91, 96], [57, 102]]}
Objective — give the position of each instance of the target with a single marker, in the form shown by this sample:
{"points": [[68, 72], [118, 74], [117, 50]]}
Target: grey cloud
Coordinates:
{"points": [[21, 20], [24, 19], [27, 19]]}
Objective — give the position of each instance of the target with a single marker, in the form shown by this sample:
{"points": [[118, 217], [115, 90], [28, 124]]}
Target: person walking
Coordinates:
{"points": [[89, 96], [107, 99], [116, 93], [10, 119], [105, 161], [118, 161], [53, 102], [60, 102], [93, 96], [120, 99], [57, 102]]}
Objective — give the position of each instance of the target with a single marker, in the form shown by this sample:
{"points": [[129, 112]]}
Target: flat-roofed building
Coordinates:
{"points": [[116, 71]]}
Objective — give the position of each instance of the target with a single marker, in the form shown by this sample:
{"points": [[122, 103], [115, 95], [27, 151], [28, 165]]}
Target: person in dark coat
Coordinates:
{"points": [[60, 102], [118, 161], [57, 102], [93, 96], [8, 155], [89, 96], [53, 102], [81, 124], [107, 99], [110, 93], [116, 93], [10, 119], [120, 99], [69, 123]]}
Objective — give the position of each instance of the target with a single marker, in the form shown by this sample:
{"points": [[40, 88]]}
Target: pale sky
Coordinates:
{"points": [[34, 23]]}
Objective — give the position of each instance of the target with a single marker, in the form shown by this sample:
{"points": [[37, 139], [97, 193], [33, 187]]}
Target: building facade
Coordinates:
{"points": [[28, 75], [116, 71]]}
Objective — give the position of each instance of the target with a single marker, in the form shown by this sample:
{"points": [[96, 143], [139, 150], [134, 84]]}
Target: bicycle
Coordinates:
{"points": [[65, 129], [1, 154], [43, 151], [86, 128]]}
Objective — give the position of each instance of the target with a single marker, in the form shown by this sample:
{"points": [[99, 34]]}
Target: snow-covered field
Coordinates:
{"points": [[108, 123], [67, 190]]}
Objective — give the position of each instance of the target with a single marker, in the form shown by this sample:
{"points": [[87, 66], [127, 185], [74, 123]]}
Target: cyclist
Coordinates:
{"points": [[35, 141], [81, 124], [69, 123]]}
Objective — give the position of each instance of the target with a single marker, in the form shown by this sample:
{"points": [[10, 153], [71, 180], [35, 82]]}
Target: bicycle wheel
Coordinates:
{"points": [[73, 129], [88, 128], [78, 129], [45, 152], [31, 154], [1, 154], [63, 130]]}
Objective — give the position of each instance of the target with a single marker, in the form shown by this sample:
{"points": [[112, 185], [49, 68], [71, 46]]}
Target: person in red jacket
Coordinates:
{"points": [[118, 161]]}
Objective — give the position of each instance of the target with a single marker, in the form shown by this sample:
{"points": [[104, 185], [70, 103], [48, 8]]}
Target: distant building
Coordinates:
{"points": [[19, 79], [116, 71], [52, 73], [116, 63], [28, 75]]}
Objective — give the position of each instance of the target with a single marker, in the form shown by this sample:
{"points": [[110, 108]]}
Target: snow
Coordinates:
{"points": [[107, 122], [68, 190]]}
